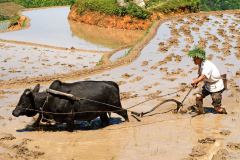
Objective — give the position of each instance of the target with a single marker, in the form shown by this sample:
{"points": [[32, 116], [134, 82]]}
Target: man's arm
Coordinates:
{"points": [[197, 80]]}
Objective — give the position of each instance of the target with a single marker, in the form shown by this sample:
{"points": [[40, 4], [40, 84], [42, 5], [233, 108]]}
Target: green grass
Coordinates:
{"points": [[3, 1], [24, 24], [136, 11], [192, 5], [105, 6], [172, 5], [100, 62], [43, 3], [14, 19], [213, 5], [9, 11], [9, 8], [111, 7]]}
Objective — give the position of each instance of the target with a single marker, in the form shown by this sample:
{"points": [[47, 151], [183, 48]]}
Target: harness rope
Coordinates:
{"points": [[179, 104], [168, 94]]}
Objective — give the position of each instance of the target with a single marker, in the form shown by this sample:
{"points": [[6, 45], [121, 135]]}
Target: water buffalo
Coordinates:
{"points": [[31, 101]]}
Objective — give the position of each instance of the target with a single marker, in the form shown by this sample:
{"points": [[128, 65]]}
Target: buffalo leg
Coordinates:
{"points": [[124, 114], [70, 125], [104, 118], [109, 114], [37, 122]]}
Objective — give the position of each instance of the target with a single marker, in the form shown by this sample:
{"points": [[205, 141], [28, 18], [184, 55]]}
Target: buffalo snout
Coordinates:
{"points": [[16, 112]]}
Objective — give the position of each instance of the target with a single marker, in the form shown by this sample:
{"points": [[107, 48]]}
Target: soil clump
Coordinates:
{"points": [[225, 132], [221, 154], [233, 146], [198, 151], [207, 140]]}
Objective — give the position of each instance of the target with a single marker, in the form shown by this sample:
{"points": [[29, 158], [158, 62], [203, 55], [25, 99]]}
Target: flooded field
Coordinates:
{"points": [[18, 62], [60, 47], [164, 60], [50, 26], [162, 67]]}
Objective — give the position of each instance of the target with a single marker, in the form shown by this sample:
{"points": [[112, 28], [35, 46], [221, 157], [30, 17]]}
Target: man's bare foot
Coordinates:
{"points": [[220, 110], [201, 110]]}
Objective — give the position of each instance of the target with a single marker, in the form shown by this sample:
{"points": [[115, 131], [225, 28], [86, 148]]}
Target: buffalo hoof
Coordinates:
{"points": [[70, 129], [182, 111], [70, 126], [105, 120], [36, 125], [175, 111]]}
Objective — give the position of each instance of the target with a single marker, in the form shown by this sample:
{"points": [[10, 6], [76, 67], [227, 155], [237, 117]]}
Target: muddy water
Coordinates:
{"points": [[160, 69], [50, 27]]}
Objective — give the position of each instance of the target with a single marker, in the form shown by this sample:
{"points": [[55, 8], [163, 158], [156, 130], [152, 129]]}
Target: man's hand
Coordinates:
{"points": [[197, 80], [194, 83]]}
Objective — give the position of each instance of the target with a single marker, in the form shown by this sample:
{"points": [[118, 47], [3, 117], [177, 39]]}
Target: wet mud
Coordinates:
{"points": [[153, 73]]}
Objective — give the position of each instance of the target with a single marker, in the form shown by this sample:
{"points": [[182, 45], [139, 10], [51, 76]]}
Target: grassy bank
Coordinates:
{"points": [[111, 7], [9, 8], [9, 11]]}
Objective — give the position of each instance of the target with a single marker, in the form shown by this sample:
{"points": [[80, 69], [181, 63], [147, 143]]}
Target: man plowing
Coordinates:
{"points": [[213, 83]]}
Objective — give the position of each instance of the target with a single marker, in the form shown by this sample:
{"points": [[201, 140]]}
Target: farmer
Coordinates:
{"points": [[213, 83]]}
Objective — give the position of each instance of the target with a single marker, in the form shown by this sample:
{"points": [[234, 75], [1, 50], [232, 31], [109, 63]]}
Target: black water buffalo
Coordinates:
{"points": [[32, 101]]}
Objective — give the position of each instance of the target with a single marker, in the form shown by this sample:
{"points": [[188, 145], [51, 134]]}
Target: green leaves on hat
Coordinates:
{"points": [[197, 52]]}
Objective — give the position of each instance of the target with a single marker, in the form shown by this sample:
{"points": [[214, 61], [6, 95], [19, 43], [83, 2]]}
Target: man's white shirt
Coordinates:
{"points": [[213, 81]]}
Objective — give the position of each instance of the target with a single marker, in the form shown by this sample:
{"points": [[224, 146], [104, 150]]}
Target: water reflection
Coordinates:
{"points": [[49, 26], [107, 37]]}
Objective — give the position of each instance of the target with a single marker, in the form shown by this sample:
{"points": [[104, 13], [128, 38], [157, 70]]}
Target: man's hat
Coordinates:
{"points": [[197, 52]]}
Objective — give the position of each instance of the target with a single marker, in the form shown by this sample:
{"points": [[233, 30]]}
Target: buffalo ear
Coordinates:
{"points": [[36, 88]]}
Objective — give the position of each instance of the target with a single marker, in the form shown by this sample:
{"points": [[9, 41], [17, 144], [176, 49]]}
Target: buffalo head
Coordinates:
{"points": [[26, 103]]}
